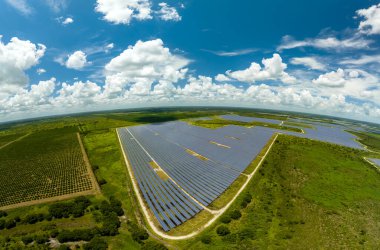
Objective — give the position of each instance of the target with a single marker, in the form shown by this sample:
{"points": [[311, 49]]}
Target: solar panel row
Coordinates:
{"points": [[169, 204], [202, 179]]}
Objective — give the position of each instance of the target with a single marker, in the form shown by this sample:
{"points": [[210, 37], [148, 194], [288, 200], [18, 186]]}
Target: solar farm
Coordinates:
{"points": [[181, 169]]}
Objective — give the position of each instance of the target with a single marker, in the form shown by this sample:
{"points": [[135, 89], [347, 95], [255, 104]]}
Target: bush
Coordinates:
{"points": [[34, 218], [2, 224], [10, 224], [225, 218], [222, 230], [27, 239], [96, 243], [3, 214], [206, 239], [76, 235], [63, 247], [235, 214], [41, 239], [138, 234], [102, 182]]}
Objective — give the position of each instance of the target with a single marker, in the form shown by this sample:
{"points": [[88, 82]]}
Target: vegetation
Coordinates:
{"points": [[299, 197], [45, 164], [371, 140], [218, 122]]}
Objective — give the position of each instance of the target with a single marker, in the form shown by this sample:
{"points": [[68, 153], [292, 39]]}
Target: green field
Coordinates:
{"points": [[43, 165], [302, 200], [218, 123], [5, 139]]}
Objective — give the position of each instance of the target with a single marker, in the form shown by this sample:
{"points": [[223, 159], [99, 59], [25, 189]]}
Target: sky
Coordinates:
{"points": [[66, 56]]}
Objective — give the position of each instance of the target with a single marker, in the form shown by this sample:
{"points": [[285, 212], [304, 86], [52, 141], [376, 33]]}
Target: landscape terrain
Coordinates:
{"points": [[128, 179]]}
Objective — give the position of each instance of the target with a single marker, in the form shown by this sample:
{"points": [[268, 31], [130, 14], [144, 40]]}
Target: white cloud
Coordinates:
{"points": [[108, 47], [371, 23], [123, 11], [231, 53], [332, 79], [222, 78], [274, 69], [20, 5], [41, 71], [168, 13], [56, 5], [79, 93], [365, 59], [15, 58], [355, 42], [143, 64], [77, 60], [68, 20], [310, 62], [38, 95], [65, 21]]}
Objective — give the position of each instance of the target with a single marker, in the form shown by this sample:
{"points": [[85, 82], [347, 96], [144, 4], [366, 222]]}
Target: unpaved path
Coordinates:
{"points": [[216, 213], [18, 139]]}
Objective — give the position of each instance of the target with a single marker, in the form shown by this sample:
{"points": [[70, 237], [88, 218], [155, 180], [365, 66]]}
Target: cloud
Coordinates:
{"points": [[65, 21], [123, 11], [327, 43], [109, 47], [38, 95], [365, 59], [332, 79], [79, 93], [56, 5], [274, 69], [168, 13], [143, 64], [310, 62], [21, 5], [371, 23], [41, 71], [222, 78], [15, 58], [77, 60], [231, 53]]}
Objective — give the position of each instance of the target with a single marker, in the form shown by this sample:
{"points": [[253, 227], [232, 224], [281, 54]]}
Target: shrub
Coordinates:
{"points": [[10, 224], [3, 214], [225, 218], [206, 239], [63, 247], [222, 230], [2, 224], [102, 182], [96, 243], [27, 239], [138, 234], [41, 239], [235, 214]]}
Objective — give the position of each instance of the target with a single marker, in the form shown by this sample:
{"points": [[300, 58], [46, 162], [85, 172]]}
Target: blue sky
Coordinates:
{"points": [[62, 56]]}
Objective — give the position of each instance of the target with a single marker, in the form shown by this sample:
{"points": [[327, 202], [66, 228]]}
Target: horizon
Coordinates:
{"points": [[61, 57]]}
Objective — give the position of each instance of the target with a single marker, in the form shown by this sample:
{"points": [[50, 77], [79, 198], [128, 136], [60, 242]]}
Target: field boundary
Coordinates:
{"points": [[18, 139], [95, 184], [217, 213], [47, 200]]}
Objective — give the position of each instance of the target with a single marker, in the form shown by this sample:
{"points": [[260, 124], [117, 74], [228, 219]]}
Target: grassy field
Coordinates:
{"points": [[49, 163], [371, 140], [218, 123], [302, 200], [5, 139], [298, 124]]}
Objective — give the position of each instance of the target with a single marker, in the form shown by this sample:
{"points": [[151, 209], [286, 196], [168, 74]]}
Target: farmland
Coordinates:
{"points": [[50, 163]]}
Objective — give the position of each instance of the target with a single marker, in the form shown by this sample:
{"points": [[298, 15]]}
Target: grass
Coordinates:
{"points": [[4, 139], [43, 165], [103, 150], [298, 124], [228, 194], [302, 200], [218, 123], [371, 140], [191, 225]]}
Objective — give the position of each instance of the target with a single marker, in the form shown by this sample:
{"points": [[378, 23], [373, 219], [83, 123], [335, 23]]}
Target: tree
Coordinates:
{"points": [[222, 230], [206, 239], [235, 214], [225, 218], [96, 243]]}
